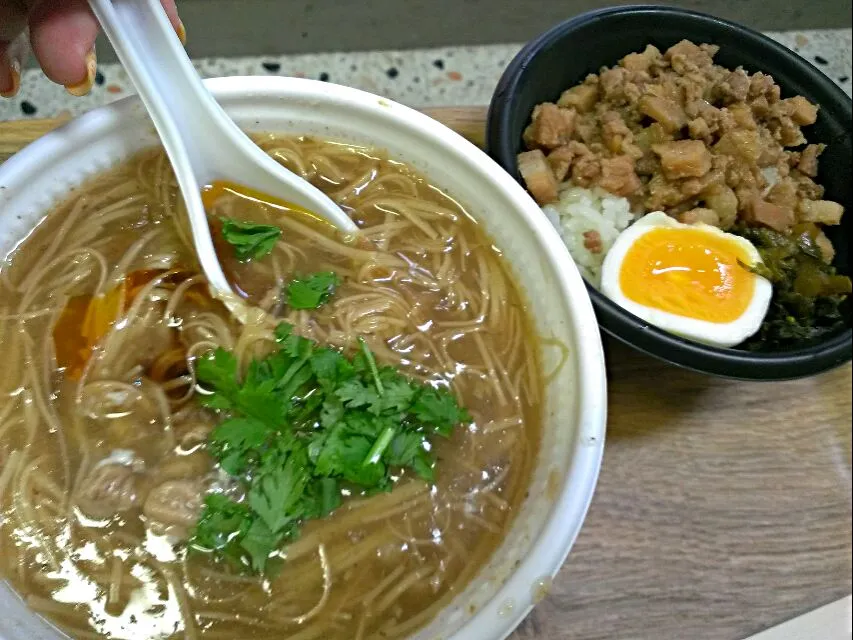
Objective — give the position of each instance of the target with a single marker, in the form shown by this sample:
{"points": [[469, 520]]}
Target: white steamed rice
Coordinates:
{"points": [[580, 210]]}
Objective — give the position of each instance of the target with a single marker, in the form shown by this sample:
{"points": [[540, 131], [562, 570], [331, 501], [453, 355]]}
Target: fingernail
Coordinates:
{"points": [[182, 33], [83, 87], [14, 80]]}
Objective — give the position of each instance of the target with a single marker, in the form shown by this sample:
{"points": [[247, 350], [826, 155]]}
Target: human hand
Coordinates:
{"points": [[61, 34]]}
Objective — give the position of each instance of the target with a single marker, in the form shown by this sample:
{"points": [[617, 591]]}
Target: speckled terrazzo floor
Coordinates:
{"points": [[420, 77]]}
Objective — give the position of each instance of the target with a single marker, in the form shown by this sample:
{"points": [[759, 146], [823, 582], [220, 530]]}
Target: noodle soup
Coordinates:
{"points": [[105, 436]]}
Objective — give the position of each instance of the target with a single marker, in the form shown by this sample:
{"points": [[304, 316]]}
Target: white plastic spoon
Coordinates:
{"points": [[202, 142]]}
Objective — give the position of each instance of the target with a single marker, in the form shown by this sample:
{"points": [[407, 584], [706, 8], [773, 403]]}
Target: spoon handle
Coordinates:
{"points": [[172, 92], [202, 142]]}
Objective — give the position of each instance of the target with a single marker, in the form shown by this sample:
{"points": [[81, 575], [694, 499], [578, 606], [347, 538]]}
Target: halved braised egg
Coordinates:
{"points": [[690, 280]]}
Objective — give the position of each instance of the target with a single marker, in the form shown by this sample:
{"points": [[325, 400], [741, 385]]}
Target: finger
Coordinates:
{"points": [[12, 59], [62, 33], [172, 11], [10, 75], [63, 36]]}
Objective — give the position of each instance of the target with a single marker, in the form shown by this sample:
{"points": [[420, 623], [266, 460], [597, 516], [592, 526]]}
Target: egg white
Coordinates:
{"points": [[720, 334]]}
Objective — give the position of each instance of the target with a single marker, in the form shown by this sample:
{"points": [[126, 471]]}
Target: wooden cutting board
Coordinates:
{"points": [[723, 507]]}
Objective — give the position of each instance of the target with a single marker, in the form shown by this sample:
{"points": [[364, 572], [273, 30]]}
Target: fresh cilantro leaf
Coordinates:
{"points": [[259, 542], [221, 521], [353, 393], [404, 448], [298, 347], [330, 367], [294, 378], [283, 331], [312, 291], [303, 414], [424, 466], [409, 449], [399, 392], [219, 371], [438, 410], [230, 530], [253, 397], [316, 442], [236, 442], [277, 492], [261, 403], [324, 364], [365, 424], [251, 241], [343, 455], [332, 412]]}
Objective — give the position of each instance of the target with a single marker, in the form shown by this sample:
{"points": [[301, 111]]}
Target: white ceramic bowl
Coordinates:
{"points": [[548, 522]]}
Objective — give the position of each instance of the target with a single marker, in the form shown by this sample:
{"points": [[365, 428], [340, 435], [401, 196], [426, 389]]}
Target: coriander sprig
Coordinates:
{"points": [[251, 240], [302, 422], [313, 290]]}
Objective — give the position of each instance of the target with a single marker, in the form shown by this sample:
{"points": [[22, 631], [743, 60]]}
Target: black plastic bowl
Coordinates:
{"points": [[563, 56]]}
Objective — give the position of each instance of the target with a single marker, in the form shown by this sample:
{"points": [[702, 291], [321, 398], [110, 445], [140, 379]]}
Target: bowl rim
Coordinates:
{"points": [[552, 543], [723, 362]]}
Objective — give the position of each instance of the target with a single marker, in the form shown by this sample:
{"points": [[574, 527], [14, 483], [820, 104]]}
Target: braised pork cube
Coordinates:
{"points": [[684, 158], [551, 126], [538, 176]]}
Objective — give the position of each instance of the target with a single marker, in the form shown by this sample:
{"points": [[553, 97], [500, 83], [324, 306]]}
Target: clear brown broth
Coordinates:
{"points": [[423, 284]]}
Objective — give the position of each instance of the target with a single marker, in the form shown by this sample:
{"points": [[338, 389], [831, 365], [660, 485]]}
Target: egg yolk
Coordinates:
{"points": [[688, 272]]}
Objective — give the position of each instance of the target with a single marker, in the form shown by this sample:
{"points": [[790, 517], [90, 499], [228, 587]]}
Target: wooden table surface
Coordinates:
{"points": [[723, 507]]}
